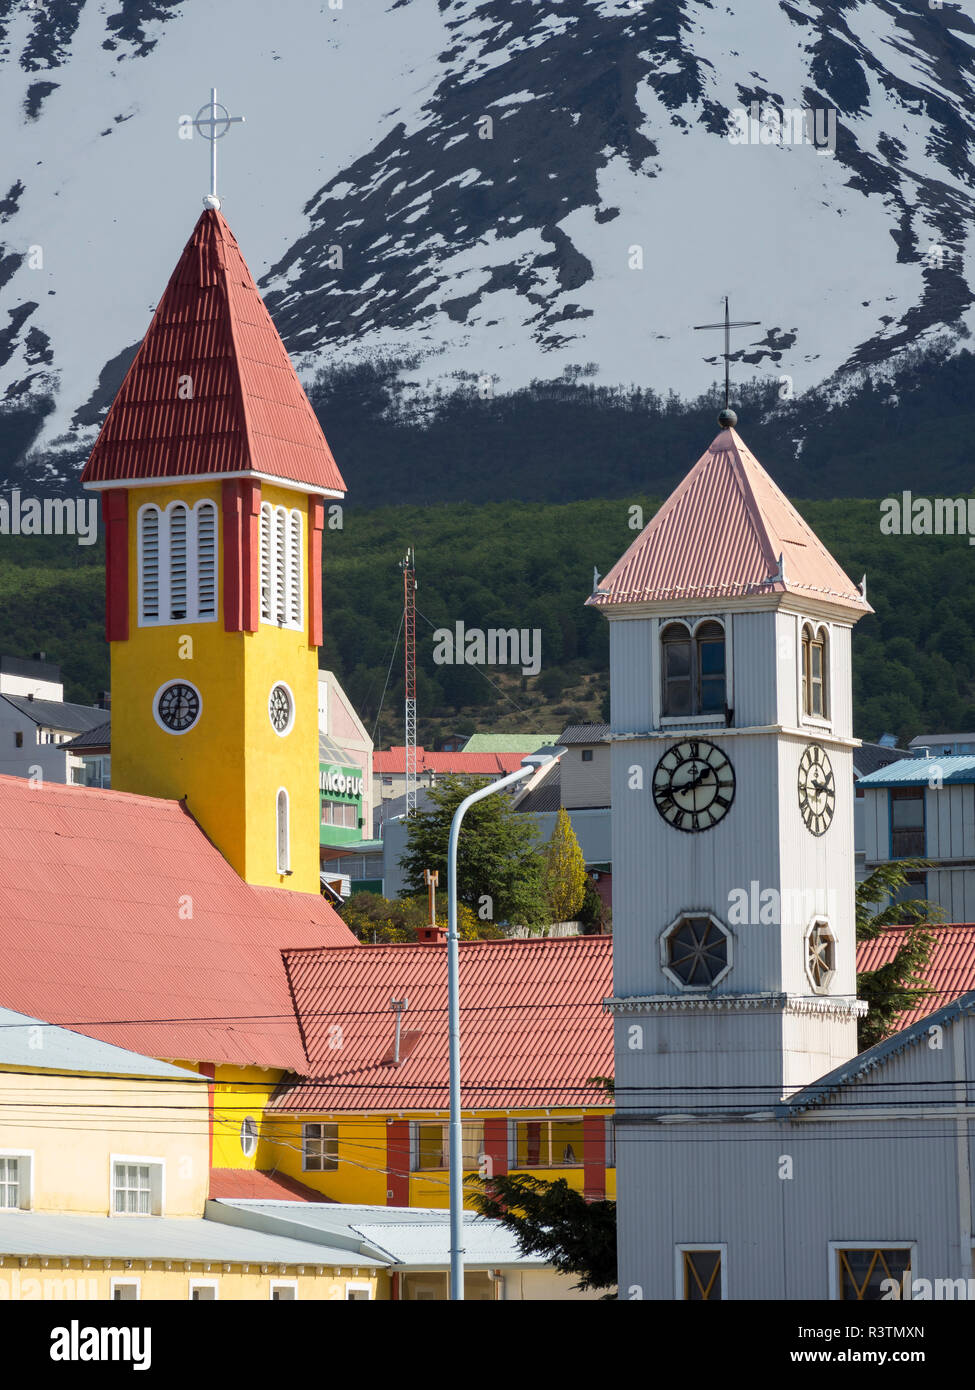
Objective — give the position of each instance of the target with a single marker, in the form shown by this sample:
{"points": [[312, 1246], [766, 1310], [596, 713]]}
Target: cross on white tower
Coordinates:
{"points": [[213, 121]]}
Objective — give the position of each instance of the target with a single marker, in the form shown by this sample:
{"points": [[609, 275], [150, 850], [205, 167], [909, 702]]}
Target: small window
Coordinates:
{"points": [[136, 1188], [248, 1136], [676, 648], [701, 1275], [547, 1143], [430, 1144], [693, 669], [587, 755], [282, 573], [125, 1290], [320, 1148], [283, 833], [203, 1290], [284, 1290], [695, 951], [18, 739], [15, 1182], [906, 822], [814, 703], [863, 1271], [820, 956]]}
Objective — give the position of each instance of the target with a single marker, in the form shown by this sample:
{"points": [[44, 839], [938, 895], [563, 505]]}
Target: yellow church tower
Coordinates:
{"points": [[215, 477]]}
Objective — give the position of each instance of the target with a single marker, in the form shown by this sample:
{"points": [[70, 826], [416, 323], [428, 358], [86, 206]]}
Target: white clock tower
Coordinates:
{"points": [[732, 794]]}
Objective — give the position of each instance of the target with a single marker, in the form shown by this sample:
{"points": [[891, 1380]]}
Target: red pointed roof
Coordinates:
{"points": [[94, 938], [248, 413], [720, 535]]}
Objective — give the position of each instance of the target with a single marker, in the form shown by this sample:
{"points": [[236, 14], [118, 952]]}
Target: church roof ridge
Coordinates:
{"points": [[721, 534], [211, 390]]}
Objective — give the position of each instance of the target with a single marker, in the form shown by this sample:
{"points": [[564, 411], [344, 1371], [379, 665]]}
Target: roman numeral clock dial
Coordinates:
{"points": [[817, 790], [693, 785]]}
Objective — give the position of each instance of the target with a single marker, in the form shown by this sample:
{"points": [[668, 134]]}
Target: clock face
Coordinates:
{"points": [[177, 706], [693, 785], [281, 709], [817, 789]]}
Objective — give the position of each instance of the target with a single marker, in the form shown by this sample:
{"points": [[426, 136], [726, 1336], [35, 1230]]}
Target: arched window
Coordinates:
{"points": [[282, 572], [693, 668], [814, 656], [177, 563], [283, 833]]}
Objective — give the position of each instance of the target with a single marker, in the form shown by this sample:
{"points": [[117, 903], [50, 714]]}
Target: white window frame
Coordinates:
{"points": [[124, 1281], [672, 927], [164, 557], [25, 1177], [357, 1287], [213, 1284], [282, 830], [249, 1149], [282, 1284], [679, 1266], [282, 571], [835, 1246], [157, 1179], [819, 921]]}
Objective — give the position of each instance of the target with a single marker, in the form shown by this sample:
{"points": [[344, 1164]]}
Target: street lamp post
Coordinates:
{"points": [[528, 765]]}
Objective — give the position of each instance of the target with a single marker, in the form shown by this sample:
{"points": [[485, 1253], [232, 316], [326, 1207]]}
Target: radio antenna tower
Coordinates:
{"points": [[408, 566]]}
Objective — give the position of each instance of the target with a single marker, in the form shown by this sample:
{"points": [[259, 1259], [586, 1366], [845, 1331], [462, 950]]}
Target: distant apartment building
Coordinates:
{"points": [[38, 726]]}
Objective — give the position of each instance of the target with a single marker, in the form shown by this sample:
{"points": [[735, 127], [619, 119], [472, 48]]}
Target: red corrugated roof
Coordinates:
{"points": [[533, 1031], [237, 1184], [950, 970], [720, 535], [96, 888], [248, 412], [393, 760]]}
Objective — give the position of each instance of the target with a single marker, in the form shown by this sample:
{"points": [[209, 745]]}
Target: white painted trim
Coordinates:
{"points": [[29, 1155], [117, 1279], [679, 1266], [282, 1284], [176, 680], [172, 481], [164, 554], [834, 1265], [282, 733], [359, 1287], [293, 568], [213, 1284], [142, 1159]]}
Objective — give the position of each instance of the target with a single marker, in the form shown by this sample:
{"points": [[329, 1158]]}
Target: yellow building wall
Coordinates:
{"points": [[230, 765], [102, 1116], [241, 1093], [90, 1279]]}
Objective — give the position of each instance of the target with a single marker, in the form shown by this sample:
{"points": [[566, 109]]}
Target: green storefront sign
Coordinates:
{"points": [[341, 790]]}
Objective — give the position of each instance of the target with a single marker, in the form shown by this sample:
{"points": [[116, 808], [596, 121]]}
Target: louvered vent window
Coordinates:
{"points": [[284, 833], [149, 567], [177, 563], [206, 561], [282, 583]]}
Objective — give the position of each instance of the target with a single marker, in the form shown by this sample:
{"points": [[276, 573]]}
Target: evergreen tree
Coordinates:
{"points": [[899, 984], [552, 1219], [499, 868], [594, 915], [565, 871]]}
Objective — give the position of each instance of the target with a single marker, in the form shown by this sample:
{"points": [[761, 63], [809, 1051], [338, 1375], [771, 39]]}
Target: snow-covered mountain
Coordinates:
{"points": [[499, 189]]}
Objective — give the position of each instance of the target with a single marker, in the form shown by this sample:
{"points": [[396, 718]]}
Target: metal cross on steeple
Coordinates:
{"points": [[728, 326], [213, 121]]}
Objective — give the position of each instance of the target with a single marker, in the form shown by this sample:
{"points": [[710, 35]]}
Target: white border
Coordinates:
{"points": [[283, 685], [176, 680], [360, 1287], [277, 832], [213, 1284], [125, 1279], [679, 1266], [168, 480], [136, 1158], [834, 1265], [282, 1284], [29, 1155]]}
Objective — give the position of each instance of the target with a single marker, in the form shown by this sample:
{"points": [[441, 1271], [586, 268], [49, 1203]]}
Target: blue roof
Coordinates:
{"points": [[30, 1042], [858, 1067], [917, 772]]}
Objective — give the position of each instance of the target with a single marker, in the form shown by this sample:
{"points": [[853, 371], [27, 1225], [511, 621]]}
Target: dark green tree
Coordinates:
{"points": [[899, 984], [497, 854], [552, 1219]]}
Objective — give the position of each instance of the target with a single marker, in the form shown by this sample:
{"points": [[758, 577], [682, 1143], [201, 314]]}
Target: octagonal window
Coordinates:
{"points": [[820, 956], [696, 950]]}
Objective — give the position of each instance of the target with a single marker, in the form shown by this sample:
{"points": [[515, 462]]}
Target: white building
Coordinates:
{"points": [[36, 722], [750, 1161]]}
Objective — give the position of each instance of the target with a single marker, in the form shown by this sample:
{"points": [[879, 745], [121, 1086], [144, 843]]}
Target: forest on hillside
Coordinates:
{"points": [[525, 565]]}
